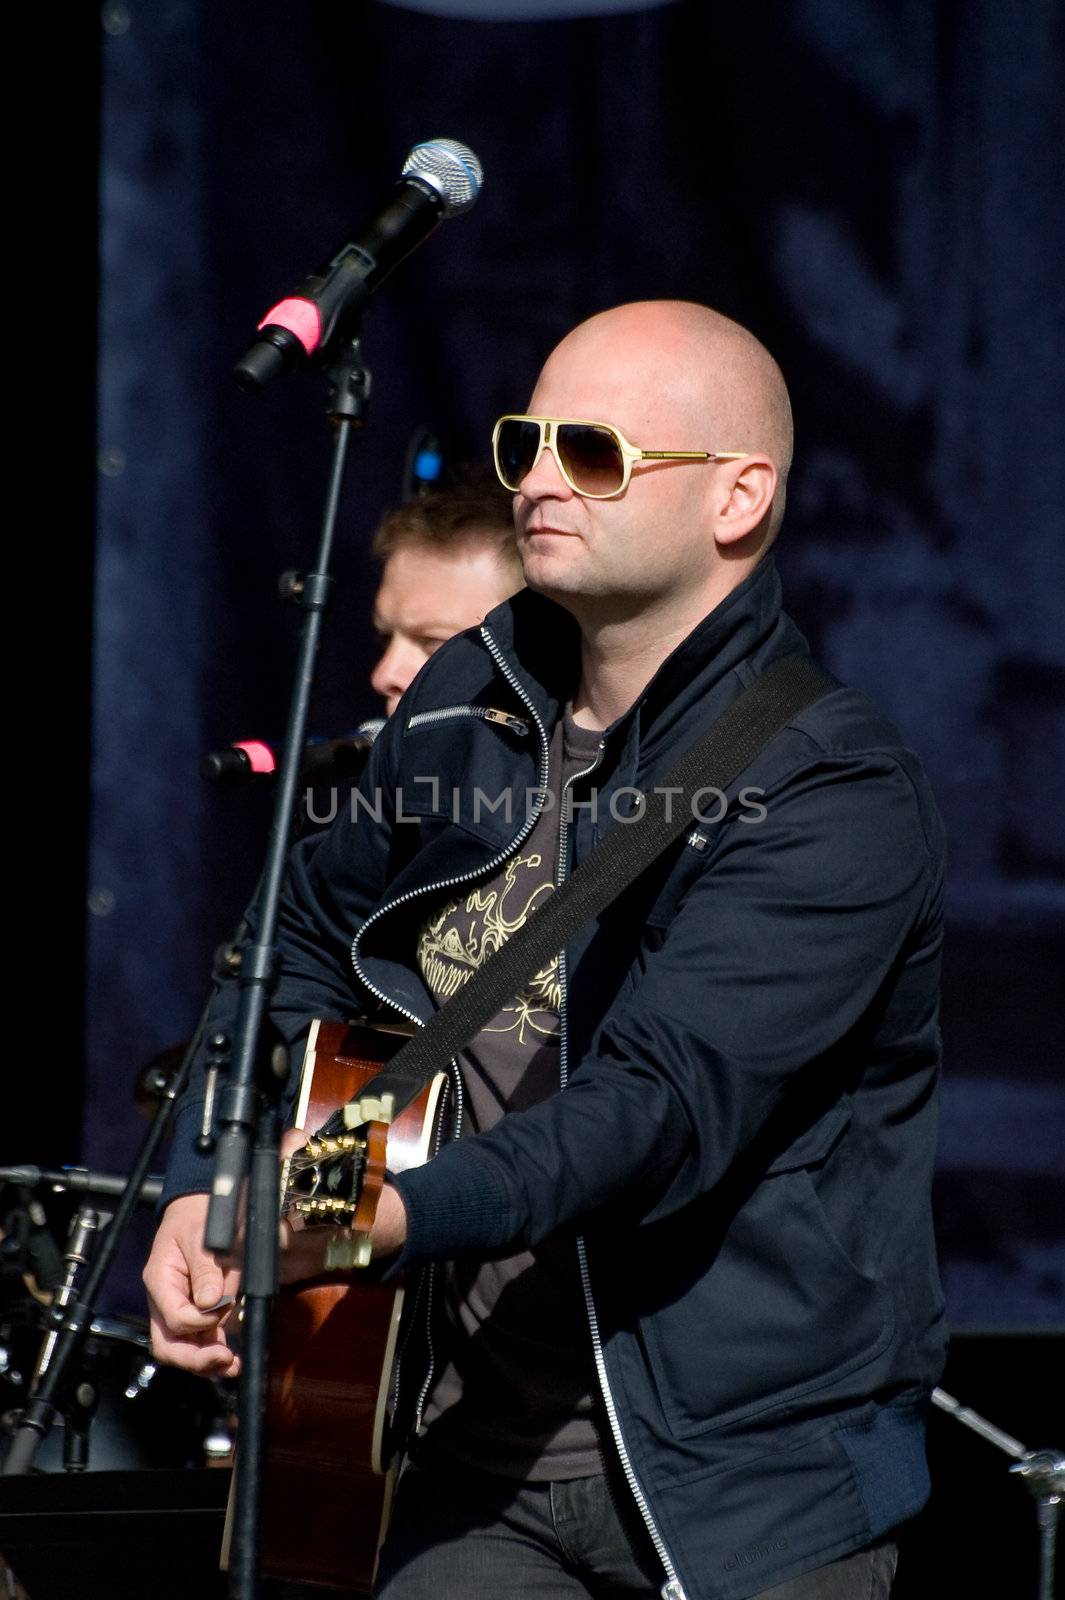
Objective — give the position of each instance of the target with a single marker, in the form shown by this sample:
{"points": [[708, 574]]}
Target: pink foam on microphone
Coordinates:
{"points": [[300, 317], [260, 756]]}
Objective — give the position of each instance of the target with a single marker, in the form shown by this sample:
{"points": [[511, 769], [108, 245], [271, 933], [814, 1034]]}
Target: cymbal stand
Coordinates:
{"points": [[1042, 1471]]}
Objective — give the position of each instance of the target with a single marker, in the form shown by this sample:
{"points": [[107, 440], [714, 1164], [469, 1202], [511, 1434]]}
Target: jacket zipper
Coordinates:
{"points": [[429, 1281], [487, 714], [505, 719], [672, 1589], [479, 872]]}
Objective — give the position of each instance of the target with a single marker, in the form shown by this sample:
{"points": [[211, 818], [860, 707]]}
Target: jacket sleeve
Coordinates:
{"points": [[332, 881], [773, 956]]}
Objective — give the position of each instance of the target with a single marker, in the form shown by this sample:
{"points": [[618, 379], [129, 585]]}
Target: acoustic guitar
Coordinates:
{"points": [[327, 1485]]}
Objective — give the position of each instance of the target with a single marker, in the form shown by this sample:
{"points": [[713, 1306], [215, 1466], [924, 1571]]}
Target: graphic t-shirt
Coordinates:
{"points": [[517, 1391]]}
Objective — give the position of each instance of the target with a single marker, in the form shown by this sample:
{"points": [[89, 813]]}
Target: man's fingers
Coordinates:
{"points": [[187, 1319], [168, 1283], [224, 1306], [213, 1359], [168, 1297], [206, 1281], [221, 1304], [190, 1293], [193, 1339], [292, 1139]]}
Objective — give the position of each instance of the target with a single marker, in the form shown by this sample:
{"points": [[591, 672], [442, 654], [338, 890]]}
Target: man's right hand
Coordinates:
{"points": [[183, 1280]]}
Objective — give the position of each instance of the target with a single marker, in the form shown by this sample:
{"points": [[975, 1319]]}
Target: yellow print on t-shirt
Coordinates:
{"points": [[455, 941]]}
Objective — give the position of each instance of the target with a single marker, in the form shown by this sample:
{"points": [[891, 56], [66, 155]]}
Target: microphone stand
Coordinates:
{"points": [[248, 1119]]}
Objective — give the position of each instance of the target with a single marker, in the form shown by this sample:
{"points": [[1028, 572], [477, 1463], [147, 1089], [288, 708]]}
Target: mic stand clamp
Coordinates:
{"points": [[1042, 1470], [348, 385]]}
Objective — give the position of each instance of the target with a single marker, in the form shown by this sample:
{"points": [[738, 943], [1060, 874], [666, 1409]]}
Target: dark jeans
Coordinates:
{"points": [[465, 1535]]}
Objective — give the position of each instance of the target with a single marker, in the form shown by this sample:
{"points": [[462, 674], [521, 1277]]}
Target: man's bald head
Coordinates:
{"points": [[704, 406], [719, 381]]}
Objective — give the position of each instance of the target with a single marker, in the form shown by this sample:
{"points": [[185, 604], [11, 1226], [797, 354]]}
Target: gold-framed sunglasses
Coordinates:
{"points": [[595, 458]]}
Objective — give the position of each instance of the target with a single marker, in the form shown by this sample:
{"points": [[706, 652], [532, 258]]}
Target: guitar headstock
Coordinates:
{"points": [[323, 1181]]}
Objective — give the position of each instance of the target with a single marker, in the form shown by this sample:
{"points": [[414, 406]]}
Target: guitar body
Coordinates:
{"points": [[327, 1484]]}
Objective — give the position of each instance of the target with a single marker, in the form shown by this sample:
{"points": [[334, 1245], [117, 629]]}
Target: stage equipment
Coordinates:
{"points": [[85, 1359], [241, 1120], [153, 1079], [423, 468], [58, 1384], [29, 1257], [1043, 1471], [441, 178], [123, 1534], [81, 1180], [251, 760], [121, 1411]]}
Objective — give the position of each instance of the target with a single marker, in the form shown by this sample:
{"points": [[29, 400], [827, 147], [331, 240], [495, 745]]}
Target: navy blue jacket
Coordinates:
{"points": [[743, 1145]]}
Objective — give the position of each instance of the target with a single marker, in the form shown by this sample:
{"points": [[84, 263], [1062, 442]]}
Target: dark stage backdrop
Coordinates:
{"points": [[873, 187]]}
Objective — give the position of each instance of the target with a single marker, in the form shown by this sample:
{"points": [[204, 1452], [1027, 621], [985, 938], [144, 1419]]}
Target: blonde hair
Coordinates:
{"points": [[473, 509]]}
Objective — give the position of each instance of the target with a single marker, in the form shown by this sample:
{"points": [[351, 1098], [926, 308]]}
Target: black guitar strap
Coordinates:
{"points": [[713, 762]]}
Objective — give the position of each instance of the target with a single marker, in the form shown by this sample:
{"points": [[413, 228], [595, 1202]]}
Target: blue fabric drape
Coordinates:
{"points": [[874, 190]]}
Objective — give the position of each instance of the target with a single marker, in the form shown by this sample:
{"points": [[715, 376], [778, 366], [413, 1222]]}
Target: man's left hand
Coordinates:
{"points": [[303, 1249]]}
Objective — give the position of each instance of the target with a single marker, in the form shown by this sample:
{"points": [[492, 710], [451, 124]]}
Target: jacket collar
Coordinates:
{"points": [[541, 642]]}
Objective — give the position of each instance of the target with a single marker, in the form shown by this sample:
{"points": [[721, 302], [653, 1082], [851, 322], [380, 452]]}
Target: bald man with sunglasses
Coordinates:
{"points": [[686, 1312]]}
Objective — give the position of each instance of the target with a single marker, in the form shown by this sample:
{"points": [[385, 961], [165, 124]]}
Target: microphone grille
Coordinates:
{"points": [[451, 169]]}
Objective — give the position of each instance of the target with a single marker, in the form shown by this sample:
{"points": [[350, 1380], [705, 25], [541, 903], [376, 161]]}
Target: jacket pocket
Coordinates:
{"points": [[781, 1313]]}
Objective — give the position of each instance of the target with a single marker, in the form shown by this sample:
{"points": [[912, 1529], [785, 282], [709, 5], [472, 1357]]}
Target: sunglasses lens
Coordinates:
{"points": [[516, 447], [591, 456]]}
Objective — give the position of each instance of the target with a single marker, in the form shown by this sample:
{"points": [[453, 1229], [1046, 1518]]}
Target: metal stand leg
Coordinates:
{"points": [[1042, 1470]]}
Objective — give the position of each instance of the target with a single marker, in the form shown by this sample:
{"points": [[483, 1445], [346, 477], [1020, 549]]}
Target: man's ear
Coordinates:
{"points": [[743, 497]]}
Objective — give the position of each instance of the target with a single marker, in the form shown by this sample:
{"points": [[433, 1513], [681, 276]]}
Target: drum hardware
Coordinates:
{"points": [[54, 1381], [220, 1441], [122, 1411], [153, 1079], [1042, 1471], [119, 1411], [79, 1248], [79, 1396], [29, 1259], [57, 1376], [141, 1380]]}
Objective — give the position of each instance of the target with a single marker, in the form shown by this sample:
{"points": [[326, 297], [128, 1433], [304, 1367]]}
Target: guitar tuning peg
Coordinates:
{"points": [[370, 1108], [346, 1250]]}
